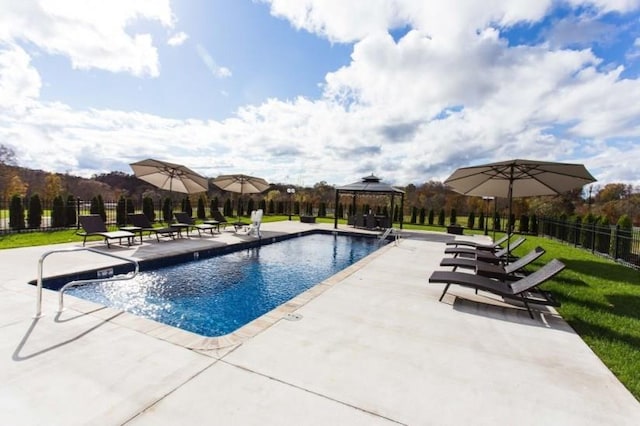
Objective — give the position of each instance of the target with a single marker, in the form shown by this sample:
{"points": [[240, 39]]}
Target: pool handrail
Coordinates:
{"points": [[127, 276]]}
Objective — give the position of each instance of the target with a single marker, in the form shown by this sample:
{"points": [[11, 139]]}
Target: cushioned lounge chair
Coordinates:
{"points": [[184, 220], [501, 255], [518, 290], [218, 218], [93, 225], [140, 220], [512, 271], [474, 244]]}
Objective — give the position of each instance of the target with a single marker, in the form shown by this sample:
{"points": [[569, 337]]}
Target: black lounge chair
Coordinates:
{"points": [[502, 255], [513, 271], [517, 290], [474, 244], [184, 220], [93, 225], [140, 220], [218, 218]]}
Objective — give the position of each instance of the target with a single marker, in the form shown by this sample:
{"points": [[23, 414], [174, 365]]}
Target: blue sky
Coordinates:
{"points": [[303, 91]]}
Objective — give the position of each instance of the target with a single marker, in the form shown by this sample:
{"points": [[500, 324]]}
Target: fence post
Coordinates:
{"points": [[616, 241]]}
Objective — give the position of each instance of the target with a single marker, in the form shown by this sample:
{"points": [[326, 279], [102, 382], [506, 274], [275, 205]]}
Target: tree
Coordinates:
{"points": [[52, 186], [16, 187], [166, 210], [34, 218], [16, 213], [441, 218], [148, 209], [58, 212], [200, 211]]}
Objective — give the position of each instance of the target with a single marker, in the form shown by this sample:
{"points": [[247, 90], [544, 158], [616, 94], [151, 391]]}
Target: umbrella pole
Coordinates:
{"points": [[510, 198]]}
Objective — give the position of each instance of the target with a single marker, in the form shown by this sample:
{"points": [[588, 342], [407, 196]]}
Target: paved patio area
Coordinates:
{"points": [[370, 346]]}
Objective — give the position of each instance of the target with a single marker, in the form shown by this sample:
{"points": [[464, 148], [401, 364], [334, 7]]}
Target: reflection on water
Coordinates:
{"points": [[215, 296]]}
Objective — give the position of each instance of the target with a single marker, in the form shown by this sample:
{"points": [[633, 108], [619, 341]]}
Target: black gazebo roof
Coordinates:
{"points": [[369, 183]]}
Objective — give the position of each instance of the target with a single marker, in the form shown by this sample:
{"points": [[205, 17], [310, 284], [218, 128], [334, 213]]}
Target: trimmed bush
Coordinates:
{"points": [[166, 210], [441, 218], [421, 216], [200, 212], [34, 218], [430, 217], [453, 217], [148, 209], [481, 219], [16, 213], [624, 230], [414, 214], [213, 206], [471, 220], [524, 224], [58, 213]]}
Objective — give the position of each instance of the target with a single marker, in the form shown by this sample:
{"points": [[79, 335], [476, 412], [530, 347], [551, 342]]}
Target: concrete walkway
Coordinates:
{"points": [[370, 346]]}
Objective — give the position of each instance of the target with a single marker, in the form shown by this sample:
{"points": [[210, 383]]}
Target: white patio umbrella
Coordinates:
{"points": [[242, 184], [519, 178], [170, 176]]}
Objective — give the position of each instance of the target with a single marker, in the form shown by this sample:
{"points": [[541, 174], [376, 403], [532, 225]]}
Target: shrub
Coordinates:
{"points": [[603, 235], [430, 217], [441, 218], [58, 213], [16, 213], [414, 214], [166, 210], [623, 237], [121, 212], [587, 236], [453, 217], [200, 212], [34, 218], [524, 224], [97, 207], [471, 220], [481, 220], [421, 216], [148, 209], [213, 206], [533, 224], [186, 206], [250, 205], [227, 210], [322, 210]]}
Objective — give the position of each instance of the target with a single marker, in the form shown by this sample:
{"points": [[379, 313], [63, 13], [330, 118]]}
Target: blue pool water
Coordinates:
{"points": [[216, 296]]}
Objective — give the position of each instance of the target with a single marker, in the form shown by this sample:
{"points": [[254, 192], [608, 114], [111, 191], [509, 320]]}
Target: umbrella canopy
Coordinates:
{"points": [[242, 184], [170, 176], [519, 178]]}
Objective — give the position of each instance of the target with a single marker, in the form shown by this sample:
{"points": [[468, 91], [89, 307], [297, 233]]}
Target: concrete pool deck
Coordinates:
{"points": [[370, 346]]}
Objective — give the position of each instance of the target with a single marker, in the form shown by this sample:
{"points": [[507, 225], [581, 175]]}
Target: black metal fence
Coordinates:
{"points": [[72, 209], [620, 244]]}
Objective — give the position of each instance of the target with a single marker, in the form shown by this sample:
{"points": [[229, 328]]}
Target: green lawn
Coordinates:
{"points": [[600, 298]]}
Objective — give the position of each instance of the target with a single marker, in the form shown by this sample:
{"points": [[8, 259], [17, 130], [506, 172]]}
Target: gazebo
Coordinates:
{"points": [[370, 185]]}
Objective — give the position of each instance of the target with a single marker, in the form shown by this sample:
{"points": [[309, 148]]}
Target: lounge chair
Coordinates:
{"points": [[509, 289], [499, 256], [93, 225], [218, 218], [512, 271], [474, 244], [250, 228], [140, 220], [186, 221], [256, 221]]}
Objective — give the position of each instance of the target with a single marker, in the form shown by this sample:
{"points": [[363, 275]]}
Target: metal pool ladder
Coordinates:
{"points": [[126, 276], [387, 232]]}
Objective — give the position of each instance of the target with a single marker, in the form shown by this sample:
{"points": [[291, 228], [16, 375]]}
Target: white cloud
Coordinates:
{"points": [[177, 39], [215, 69], [91, 33], [19, 82], [450, 92]]}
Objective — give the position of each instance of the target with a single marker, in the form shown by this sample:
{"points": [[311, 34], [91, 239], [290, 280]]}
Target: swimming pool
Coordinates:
{"points": [[218, 295]]}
